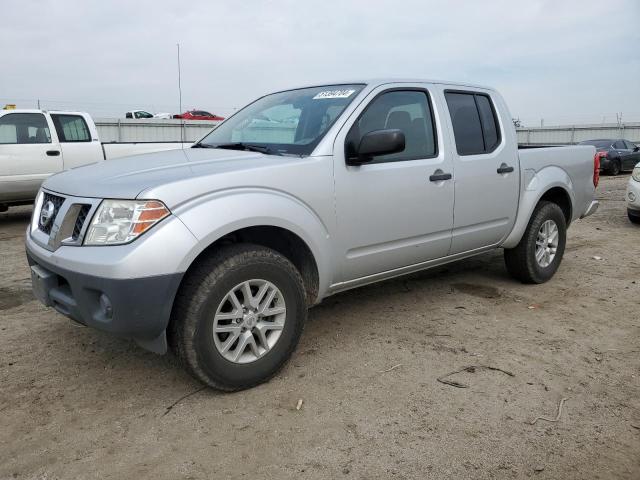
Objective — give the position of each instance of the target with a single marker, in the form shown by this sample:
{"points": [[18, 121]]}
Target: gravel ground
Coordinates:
{"points": [[76, 403]]}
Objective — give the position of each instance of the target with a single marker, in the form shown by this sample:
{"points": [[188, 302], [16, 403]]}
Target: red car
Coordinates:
{"points": [[199, 115]]}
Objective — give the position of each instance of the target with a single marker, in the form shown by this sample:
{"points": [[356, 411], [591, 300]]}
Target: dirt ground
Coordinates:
{"points": [[79, 404]]}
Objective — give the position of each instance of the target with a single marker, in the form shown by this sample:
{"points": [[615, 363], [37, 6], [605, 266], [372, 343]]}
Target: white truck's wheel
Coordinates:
{"points": [[238, 316], [538, 255]]}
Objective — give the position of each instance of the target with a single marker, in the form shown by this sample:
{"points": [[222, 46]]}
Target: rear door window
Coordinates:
{"points": [[474, 120], [467, 128], [71, 128], [24, 128]]}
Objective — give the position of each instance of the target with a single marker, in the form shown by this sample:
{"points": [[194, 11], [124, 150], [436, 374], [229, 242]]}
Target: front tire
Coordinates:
{"points": [[538, 255], [633, 217], [238, 316]]}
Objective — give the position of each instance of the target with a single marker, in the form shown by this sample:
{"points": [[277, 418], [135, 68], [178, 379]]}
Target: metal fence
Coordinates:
{"points": [[569, 134], [151, 130]]}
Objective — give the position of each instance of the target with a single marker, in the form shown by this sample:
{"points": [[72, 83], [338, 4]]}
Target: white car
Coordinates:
{"points": [[633, 196], [143, 114]]}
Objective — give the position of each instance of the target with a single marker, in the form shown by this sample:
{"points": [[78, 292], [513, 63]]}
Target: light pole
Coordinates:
{"points": [[180, 99]]}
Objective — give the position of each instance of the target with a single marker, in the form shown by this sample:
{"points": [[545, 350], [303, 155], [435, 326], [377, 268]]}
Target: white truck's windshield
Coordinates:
{"points": [[289, 122]]}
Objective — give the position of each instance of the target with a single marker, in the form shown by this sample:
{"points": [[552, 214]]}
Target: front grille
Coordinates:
{"points": [[57, 203], [81, 218]]}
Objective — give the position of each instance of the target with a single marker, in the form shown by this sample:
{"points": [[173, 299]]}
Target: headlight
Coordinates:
{"points": [[636, 174], [120, 221]]}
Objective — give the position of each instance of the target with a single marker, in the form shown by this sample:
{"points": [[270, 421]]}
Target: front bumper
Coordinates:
{"points": [[137, 308], [127, 290]]}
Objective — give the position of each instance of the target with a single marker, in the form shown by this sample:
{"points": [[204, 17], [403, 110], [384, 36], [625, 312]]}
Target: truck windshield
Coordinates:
{"points": [[290, 122]]}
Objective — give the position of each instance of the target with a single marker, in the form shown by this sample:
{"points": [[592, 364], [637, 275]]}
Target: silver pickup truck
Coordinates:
{"points": [[218, 250]]}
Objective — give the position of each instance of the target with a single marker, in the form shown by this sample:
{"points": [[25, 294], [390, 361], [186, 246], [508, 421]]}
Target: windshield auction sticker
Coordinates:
{"points": [[333, 94]]}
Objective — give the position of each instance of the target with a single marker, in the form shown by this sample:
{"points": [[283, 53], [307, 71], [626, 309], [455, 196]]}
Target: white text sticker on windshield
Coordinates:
{"points": [[333, 94]]}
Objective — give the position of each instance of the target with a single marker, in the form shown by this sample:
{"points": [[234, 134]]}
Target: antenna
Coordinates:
{"points": [[180, 98]]}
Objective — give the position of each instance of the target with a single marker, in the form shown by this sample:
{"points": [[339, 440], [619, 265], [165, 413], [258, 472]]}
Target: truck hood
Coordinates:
{"points": [[128, 177]]}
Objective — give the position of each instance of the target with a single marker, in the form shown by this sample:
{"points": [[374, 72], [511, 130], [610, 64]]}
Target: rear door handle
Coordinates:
{"points": [[438, 176], [53, 153], [504, 168]]}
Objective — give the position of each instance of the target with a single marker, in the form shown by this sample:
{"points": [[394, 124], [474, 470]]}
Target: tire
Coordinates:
{"points": [[521, 260], [633, 218], [615, 168], [198, 305]]}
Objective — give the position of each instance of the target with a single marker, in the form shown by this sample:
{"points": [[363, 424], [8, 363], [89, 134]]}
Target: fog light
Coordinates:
{"points": [[632, 196], [105, 305]]}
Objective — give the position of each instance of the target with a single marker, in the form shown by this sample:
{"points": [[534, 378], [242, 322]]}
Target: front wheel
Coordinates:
{"points": [[538, 255], [238, 316], [633, 217]]}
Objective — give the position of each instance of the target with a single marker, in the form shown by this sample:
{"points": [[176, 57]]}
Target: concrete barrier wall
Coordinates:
{"points": [[152, 130], [569, 134]]}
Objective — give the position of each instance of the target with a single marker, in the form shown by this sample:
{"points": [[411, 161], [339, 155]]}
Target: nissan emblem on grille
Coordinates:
{"points": [[46, 214]]}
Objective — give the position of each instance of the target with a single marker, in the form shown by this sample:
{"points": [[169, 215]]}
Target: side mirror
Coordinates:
{"points": [[378, 142]]}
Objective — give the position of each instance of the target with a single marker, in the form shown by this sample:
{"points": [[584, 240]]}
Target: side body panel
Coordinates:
{"points": [[569, 168], [296, 195]]}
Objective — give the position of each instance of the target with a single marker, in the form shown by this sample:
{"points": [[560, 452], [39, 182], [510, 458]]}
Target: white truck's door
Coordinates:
{"points": [[78, 139], [394, 211], [487, 170], [29, 153]]}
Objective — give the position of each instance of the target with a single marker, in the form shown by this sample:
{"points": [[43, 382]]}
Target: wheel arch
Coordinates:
{"points": [[283, 241], [551, 184], [271, 219]]}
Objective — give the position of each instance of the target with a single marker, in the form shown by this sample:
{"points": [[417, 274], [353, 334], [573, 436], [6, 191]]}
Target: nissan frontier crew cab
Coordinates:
{"points": [[218, 250]]}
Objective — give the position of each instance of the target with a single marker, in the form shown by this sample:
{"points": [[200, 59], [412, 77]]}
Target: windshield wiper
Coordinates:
{"points": [[245, 146]]}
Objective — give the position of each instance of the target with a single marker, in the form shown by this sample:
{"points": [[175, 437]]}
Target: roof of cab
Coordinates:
{"points": [[376, 82], [37, 110]]}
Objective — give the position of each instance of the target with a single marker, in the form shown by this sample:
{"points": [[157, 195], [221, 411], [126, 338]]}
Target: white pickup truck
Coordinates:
{"points": [[35, 144]]}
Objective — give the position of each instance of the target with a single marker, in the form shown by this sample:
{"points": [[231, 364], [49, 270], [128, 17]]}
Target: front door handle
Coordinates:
{"points": [[439, 176], [504, 168], [53, 153]]}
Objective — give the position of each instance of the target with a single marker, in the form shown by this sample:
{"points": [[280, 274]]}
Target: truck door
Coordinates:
{"points": [[487, 180], [28, 155], [396, 210], [80, 145]]}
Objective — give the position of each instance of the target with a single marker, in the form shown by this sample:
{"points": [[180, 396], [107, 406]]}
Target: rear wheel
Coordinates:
{"points": [[633, 217], [238, 317], [538, 255]]}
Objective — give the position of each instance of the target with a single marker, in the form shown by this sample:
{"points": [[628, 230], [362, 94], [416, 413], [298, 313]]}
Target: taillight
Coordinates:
{"points": [[596, 168]]}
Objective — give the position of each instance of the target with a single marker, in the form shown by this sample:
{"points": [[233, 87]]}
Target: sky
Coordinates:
{"points": [[562, 61]]}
